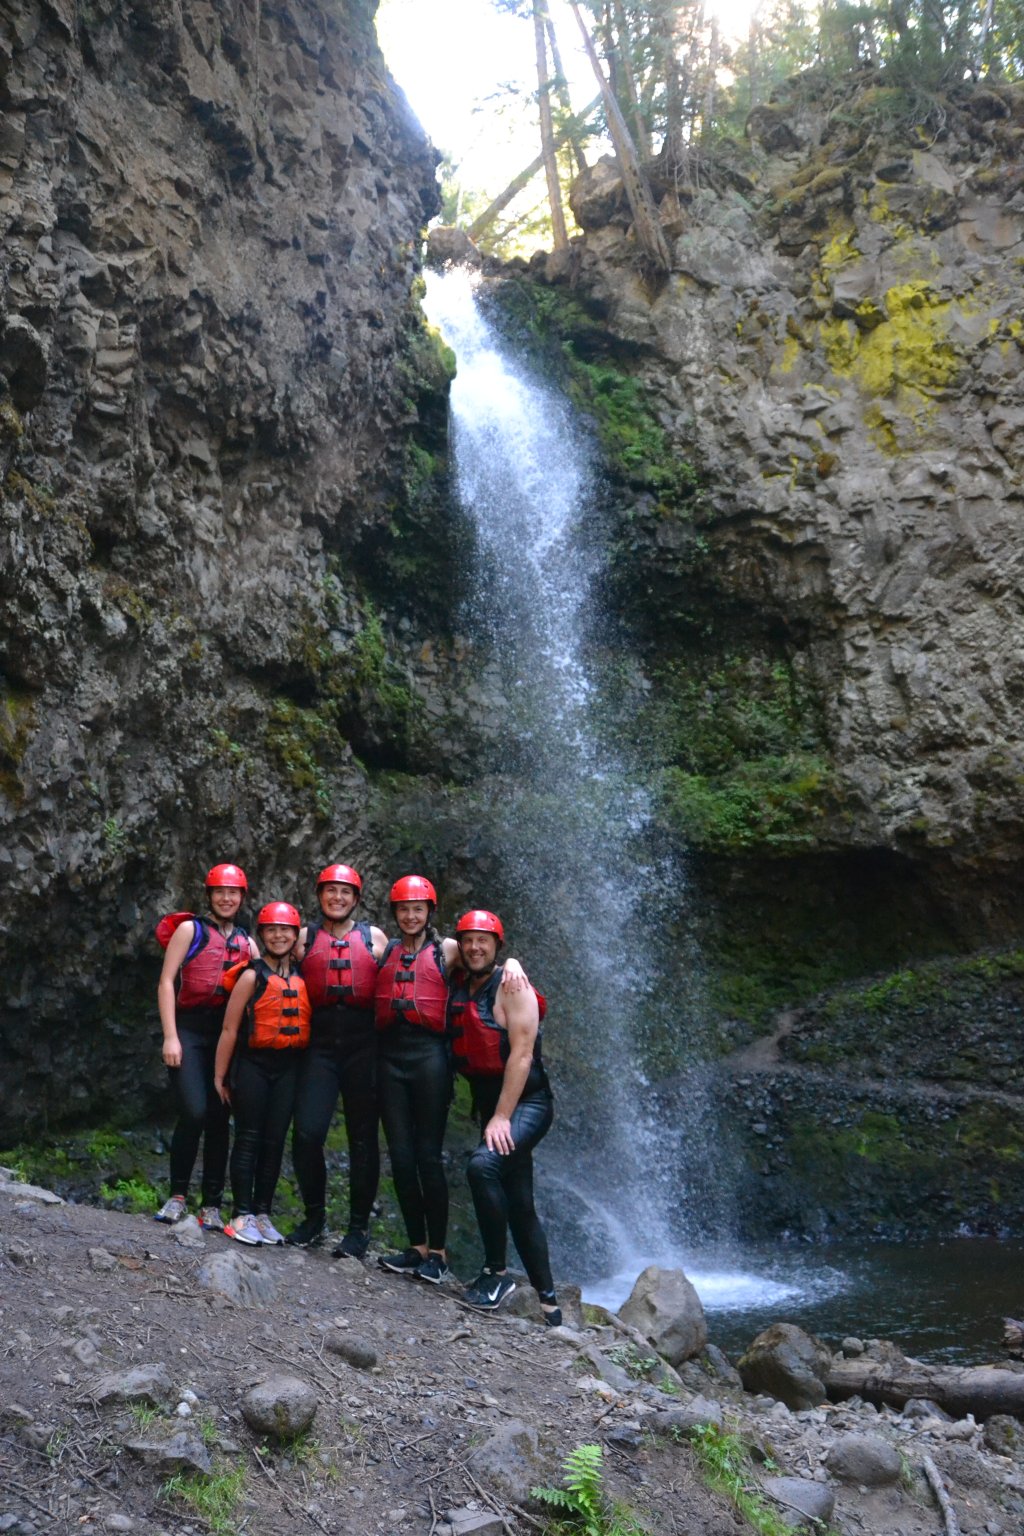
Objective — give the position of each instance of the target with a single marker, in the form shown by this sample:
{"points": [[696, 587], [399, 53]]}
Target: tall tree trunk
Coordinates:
{"points": [[640, 133], [708, 109], [484, 220], [665, 34], [562, 91], [547, 132], [649, 233]]}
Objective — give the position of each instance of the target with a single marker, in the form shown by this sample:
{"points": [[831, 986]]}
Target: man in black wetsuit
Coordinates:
{"points": [[496, 1044]]}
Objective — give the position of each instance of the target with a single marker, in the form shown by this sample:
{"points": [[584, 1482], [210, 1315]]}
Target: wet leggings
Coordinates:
{"points": [[201, 1115], [502, 1189], [262, 1097], [415, 1091], [343, 1060]]}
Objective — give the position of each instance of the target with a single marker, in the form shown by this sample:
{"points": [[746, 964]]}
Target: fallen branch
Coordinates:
{"points": [[938, 1487]]}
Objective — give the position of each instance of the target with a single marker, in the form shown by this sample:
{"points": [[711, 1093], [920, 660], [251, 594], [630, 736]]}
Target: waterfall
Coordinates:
{"points": [[573, 837]]}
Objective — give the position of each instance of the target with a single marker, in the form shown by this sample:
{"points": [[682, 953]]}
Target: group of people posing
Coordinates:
{"points": [[273, 1031]]}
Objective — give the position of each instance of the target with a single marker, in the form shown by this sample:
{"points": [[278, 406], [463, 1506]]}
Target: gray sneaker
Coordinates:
{"points": [[210, 1219], [268, 1231], [173, 1210], [244, 1230]]}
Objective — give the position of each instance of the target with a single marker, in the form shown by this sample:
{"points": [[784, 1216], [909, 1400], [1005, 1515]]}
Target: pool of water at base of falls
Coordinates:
{"points": [[939, 1301]]}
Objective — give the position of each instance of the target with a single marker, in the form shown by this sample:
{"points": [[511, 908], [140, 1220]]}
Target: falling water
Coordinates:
{"points": [[620, 1189]]}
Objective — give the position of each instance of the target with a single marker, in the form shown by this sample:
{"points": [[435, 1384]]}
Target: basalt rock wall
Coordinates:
{"points": [[838, 348], [219, 426]]}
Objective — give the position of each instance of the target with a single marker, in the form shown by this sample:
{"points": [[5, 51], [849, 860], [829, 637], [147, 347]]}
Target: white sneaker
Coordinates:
{"points": [[244, 1230], [268, 1231], [173, 1210]]}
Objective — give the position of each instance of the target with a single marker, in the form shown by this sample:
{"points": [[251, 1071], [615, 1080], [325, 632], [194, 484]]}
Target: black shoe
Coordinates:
{"points": [[433, 1269], [352, 1246], [307, 1234], [405, 1263], [552, 1319], [488, 1291]]}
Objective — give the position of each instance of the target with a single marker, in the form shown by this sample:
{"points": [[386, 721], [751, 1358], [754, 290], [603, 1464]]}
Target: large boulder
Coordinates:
{"points": [[450, 247], [867, 1460], [666, 1309], [786, 1363]]}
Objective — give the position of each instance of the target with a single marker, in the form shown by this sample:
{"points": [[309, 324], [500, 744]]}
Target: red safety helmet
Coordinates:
{"points": [[413, 888], [479, 921], [226, 874], [279, 912], [339, 874]]}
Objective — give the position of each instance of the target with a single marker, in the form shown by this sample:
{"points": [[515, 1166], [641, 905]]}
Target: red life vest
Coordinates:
{"points": [[278, 1011], [412, 987], [339, 970], [479, 1043], [201, 979]]}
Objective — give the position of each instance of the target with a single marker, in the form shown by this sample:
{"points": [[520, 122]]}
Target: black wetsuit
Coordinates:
{"points": [[341, 1059], [502, 1183], [201, 1114]]}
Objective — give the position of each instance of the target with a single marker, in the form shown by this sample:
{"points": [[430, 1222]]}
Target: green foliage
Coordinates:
{"points": [[17, 726], [214, 1497], [572, 347], [134, 1195], [104, 1145], [300, 739], [774, 803], [581, 1503], [727, 1468], [116, 837], [633, 1362]]}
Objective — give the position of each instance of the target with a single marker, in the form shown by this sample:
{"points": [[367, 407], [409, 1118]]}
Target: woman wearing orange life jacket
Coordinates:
{"points": [[415, 1074], [269, 995], [192, 998]]}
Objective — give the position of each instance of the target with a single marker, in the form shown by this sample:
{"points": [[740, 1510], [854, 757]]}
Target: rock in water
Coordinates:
{"points": [[787, 1363]]}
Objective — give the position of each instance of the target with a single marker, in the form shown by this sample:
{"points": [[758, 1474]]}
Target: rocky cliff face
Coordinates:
{"points": [[839, 349], [218, 418]]}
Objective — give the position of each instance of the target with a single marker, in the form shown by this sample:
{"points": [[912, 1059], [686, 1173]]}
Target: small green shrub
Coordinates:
{"points": [[213, 1496], [133, 1195], [727, 1469]]}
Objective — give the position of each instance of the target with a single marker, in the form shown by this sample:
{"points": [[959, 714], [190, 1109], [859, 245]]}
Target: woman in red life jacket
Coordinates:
{"points": [[339, 966], [192, 999], [496, 1044], [265, 1034], [414, 1073]]}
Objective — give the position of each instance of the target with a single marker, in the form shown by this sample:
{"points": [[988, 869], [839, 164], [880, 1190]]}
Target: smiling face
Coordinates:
{"points": [[479, 951], [278, 938], [412, 917], [224, 900], [337, 901]]}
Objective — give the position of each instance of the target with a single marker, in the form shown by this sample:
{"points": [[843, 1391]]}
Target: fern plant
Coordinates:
{"points": [[581, 1502]]}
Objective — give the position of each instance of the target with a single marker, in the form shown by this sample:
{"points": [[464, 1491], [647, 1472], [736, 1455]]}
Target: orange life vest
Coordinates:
{"points": [[339, 970], [412, 987], [201, 978], [278, 1012]]}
